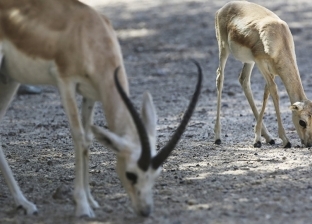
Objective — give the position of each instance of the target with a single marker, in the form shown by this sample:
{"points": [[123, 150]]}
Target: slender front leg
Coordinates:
{"points": [[17, 194], [87, 121], [7, 91], [244, 80], [273, 91], [67, 91]]}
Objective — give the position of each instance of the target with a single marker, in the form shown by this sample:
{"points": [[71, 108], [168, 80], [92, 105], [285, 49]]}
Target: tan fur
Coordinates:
{"points": [[70, 45], [255, 35]]}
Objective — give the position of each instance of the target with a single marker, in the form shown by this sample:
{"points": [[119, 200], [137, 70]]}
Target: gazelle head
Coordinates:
{"points": [[302, 118], [138, 163]]}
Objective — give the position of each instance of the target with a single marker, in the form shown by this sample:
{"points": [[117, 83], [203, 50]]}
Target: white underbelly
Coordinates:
{"points": [[241, 52], [25, 69], [35, 71]]}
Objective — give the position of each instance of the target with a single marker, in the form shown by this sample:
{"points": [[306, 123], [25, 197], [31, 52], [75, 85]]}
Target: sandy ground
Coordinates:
{"points": [[200, 182]]}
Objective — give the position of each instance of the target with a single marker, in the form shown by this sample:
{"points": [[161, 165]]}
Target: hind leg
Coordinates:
{"points": [[7, 91], [223, 55]]}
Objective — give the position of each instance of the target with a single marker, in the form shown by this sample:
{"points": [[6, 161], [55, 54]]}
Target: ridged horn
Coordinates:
{"points": [[145, 158], [163, 153]]}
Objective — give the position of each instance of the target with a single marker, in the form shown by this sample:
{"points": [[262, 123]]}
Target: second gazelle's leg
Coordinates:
{"points": [[244, 80], [87, 121], [223, 55], [67, 90], [259, 125], [7, 91], [272, 87]]}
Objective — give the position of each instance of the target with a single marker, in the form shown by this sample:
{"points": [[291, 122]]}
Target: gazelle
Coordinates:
{"points": [[255, 35], [70, 45]]}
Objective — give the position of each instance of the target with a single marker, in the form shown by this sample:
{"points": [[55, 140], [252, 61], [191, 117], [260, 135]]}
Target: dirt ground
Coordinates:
{"points": [[201, 182]]}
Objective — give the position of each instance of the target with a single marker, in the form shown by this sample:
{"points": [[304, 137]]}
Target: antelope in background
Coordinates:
{"points": [[255, 35], [68, 44]]}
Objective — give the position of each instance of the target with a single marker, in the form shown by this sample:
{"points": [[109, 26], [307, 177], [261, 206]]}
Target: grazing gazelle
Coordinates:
{"points": [[255, 35], [68, 44]]}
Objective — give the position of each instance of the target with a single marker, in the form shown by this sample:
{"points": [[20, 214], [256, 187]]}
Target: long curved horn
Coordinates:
{"points": [[163, 154], [145, 158]]}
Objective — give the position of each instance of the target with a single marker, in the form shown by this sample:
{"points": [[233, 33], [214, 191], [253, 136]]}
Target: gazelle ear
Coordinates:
{"points": [[109, 139], [148, 113], [298, 106]]}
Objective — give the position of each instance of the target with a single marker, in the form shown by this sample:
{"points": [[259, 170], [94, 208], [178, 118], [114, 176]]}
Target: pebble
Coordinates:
{"points": [[61, 192], [191, 202], [93, 183], [160, 72], [165, 192]]}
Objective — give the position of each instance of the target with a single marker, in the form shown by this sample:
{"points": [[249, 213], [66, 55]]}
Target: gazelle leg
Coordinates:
{"points": [[259, 125], [67, 91], [7, 91], [244, 80], [223, 55], [87, 121], [272, 87], [281, 130]]}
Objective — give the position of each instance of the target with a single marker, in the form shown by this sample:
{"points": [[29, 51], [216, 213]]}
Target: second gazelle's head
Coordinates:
{"points": [[302, 119], [138, 163]]}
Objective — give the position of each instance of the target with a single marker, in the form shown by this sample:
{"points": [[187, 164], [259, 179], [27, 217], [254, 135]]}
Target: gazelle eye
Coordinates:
{"points": [[303, 123], [132, 177]]}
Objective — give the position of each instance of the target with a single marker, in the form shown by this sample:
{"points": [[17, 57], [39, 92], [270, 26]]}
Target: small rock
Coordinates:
{"points": [[189, 181], [230, 93], [160, 72], [204, 207], [245, 168], [107, 208], [166, 192], [61, 135], [11, 134], [243, 200], [62, 192], [93, 183], [191, 202]]}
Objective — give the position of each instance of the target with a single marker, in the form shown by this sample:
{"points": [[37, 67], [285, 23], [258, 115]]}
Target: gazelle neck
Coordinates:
{"points": [[117, 115], [291, 78]]}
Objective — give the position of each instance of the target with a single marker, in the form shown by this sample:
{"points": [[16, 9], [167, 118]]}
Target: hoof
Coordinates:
{"points": [[218, 142], [288, 145], [272, 142], [84, 212], [85, 216], [257, 144], [28, 207], [26, 212]]}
